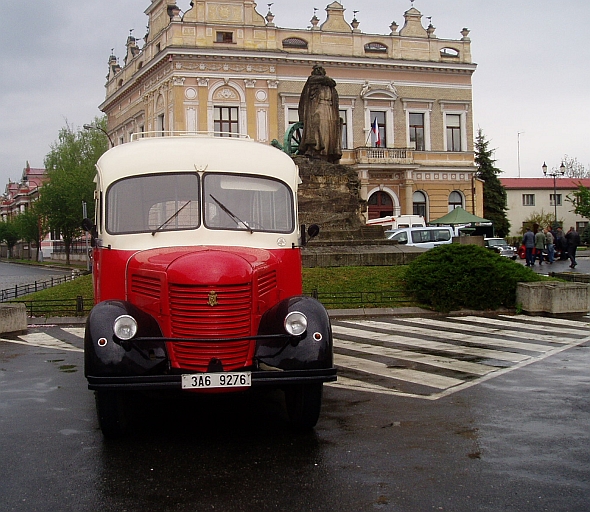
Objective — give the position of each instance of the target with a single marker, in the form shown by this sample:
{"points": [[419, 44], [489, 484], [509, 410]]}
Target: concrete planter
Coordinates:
{"points": [[556, 298], [13, 318]]}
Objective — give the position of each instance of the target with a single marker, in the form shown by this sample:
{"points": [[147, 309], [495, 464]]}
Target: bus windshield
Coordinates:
{"points": [[254, 203], [172, 201]]}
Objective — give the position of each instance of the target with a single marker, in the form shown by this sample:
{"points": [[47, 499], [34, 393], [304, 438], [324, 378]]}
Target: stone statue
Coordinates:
{"points": [[318, 111]]}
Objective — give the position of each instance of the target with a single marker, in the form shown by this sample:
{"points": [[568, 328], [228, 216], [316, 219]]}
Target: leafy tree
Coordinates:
{"points": [[494, 194], [580, 198], [8, 234], [542, 219], [31, 226], [71, 168]]}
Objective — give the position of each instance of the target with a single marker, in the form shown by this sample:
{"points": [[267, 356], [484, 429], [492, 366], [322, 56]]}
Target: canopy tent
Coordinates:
{"points": [[459, 216]]}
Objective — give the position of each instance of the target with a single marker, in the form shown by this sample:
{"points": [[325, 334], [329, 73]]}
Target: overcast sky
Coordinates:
{"points": [[533, 73]]}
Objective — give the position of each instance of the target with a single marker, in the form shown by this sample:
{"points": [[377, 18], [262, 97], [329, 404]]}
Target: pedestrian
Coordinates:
{"points": [[573, 240], [539, 246], [561, 244], [550, 245], [528, 240]]}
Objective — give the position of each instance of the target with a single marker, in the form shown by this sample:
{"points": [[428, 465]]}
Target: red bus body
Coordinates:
{"points": [[197, 277]]}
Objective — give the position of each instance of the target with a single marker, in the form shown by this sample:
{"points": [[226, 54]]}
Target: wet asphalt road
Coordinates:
{"points": [[12, 274], [517, 442]]}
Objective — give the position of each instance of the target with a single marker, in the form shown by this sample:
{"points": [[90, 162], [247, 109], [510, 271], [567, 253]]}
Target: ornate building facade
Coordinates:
{"points": [[405, 96], [18, 196]]}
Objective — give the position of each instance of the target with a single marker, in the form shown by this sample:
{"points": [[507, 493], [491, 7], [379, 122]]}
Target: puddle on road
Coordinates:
{"points": [[68, 368]]}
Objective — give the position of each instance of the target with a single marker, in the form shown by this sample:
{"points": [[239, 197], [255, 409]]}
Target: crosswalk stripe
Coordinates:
{"points": [[41, 339], [76, 331], [494, 341], [359, 385], [529, 324], [413, 376], [416, 357], [404, 339], [581, 324], [491, 331], [494, 338]]}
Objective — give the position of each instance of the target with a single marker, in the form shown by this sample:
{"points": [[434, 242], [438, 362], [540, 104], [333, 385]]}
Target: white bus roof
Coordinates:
{"points": [[196, 153]]}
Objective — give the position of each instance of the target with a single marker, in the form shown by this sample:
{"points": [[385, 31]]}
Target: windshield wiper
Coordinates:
{"points": [[233, 217], [175, 214]]}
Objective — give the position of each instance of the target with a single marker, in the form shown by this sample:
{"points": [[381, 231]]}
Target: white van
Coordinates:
{"points": [[425, 237], [401, 221]]}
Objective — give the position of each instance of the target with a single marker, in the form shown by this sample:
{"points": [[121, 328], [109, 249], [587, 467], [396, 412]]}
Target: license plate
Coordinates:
{"points": [[217, 380]]}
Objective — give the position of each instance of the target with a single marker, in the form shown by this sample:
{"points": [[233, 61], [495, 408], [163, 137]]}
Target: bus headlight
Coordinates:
{"points": [[125, 327], [295, 323]]}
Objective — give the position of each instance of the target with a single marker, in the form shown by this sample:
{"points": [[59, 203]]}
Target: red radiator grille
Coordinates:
{"points": [[192, 315]]}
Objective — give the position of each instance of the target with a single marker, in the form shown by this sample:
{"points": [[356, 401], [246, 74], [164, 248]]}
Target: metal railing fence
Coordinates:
{"points": [[80, 306], [361, 299], [20, 290]]}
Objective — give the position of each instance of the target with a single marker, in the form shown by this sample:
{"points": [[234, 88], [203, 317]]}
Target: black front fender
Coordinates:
{"points": [[313, 350], [106, 355]]}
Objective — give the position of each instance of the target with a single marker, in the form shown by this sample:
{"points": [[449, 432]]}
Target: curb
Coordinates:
{"points": [[334, 314]]}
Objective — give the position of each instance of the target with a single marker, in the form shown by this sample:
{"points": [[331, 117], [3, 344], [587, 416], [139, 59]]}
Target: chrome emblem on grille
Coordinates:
{"points": [[212, 298]]}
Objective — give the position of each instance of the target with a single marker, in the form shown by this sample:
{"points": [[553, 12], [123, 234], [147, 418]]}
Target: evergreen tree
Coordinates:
{"points": [[494, 194]]}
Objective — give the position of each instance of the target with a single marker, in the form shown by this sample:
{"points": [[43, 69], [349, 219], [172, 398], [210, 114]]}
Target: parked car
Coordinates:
{"points": [[425, 237], [502, 247]]}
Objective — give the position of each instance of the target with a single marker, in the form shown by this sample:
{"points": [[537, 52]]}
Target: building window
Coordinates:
{"points": [[224, 37], [419, 200], [378, 130], [416, 131], [292, 116], [455, 200], [160, 125], [453, 122], [528, 199], [344, 129], [555, 199], [375, 48], [581, 227], [449, 52], [295, 42], [225, 121]]}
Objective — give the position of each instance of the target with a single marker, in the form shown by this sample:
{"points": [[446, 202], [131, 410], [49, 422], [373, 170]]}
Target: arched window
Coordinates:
{"points": [[449, 52], [419, 200], [375, 48], [380, 205], [455, 200], [295, 42]]}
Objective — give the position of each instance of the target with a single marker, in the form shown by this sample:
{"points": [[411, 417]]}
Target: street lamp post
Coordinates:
{"points": [[554, 174], [92, 127]]}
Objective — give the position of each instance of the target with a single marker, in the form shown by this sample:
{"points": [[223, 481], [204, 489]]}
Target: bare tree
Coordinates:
{"points": [[574, 169]]}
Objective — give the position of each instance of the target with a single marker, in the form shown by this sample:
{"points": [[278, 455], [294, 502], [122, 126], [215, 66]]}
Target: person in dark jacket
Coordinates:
{"points": [[528, 240], [573, 240], [539, 245]]}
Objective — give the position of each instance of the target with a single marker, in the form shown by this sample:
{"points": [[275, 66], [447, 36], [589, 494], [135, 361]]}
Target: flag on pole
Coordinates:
{"points": [[375, 130]]}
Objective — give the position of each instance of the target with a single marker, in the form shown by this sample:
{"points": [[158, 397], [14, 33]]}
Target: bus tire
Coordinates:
{"points": [[304, 402], [112, 413]]}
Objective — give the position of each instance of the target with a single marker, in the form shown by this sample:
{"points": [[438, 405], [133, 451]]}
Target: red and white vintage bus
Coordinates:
{"points": [[197, 277]]}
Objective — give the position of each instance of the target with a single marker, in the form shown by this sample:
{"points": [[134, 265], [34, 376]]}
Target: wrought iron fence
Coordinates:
{"points": [[20, 290], [80, 306], [361, 299]]}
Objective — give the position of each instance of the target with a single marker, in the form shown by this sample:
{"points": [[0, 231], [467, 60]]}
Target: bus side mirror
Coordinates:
{"points": [[90, 227], [312, 232]]}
